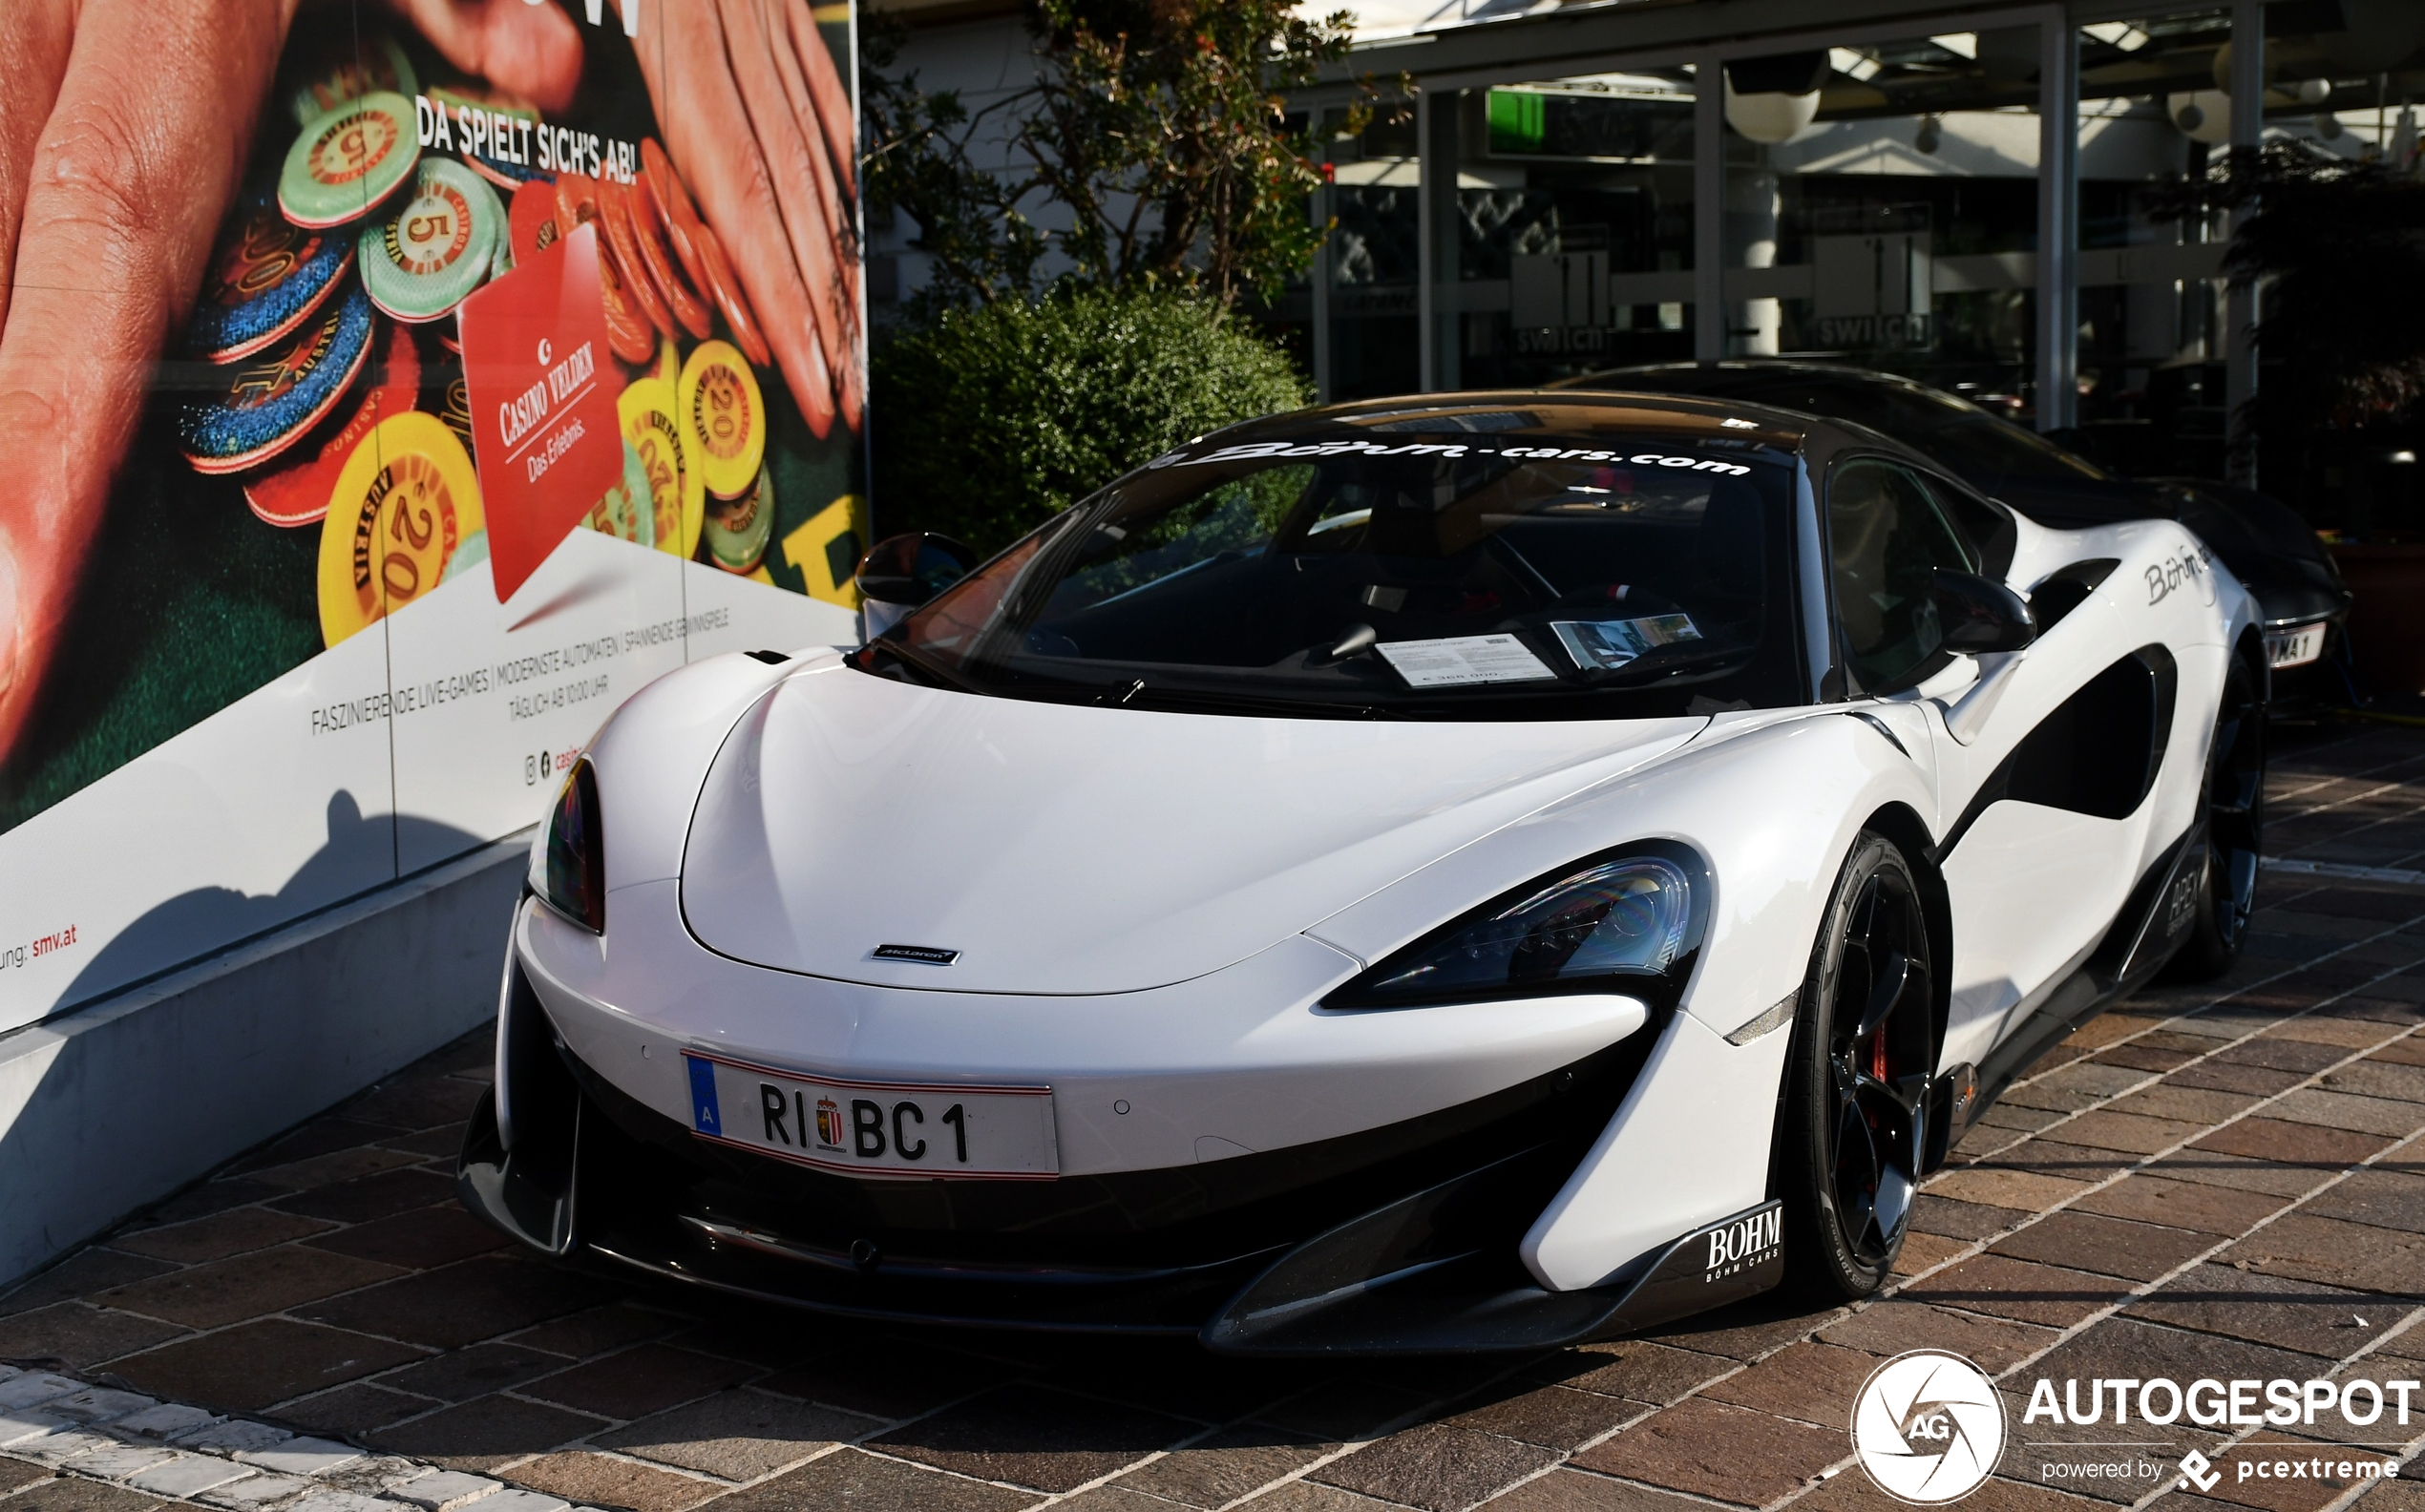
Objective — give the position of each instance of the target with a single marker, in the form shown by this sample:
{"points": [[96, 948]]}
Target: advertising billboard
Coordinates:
{"points": [[387, 391]]}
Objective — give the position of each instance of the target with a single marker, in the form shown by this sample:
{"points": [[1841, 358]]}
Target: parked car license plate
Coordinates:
{"points": [[1001, 1133], [2294, 647]]}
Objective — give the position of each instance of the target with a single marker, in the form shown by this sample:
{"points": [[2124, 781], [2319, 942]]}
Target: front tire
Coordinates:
{"points": [[1857, 1080], [2231, 802]]}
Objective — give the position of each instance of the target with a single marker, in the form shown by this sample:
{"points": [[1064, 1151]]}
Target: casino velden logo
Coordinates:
{"points": [[1927, 1427]]}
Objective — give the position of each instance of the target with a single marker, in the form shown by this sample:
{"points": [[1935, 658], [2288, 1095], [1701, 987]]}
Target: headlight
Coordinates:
{"points": [[577, 852], [1632, 916]]}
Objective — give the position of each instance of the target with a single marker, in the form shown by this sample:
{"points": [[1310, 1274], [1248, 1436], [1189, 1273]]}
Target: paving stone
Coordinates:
{"points": [[2213, 1210], [1746, 1331], [237, 1231], [252, 1365], [2077, 1085], [514, 1499], [1931, 1214], [333, 1169], [2208, 1167], [1047, 1440], [80, 1274], [2240, 1079], [321, 1136], [2141, 1057], [2006, 1116], [302, 1457], [417, 1241], [1633, 1368], [1349, 1408], [2045, 1155], [459, 1375], [2002, 1189], [418, 1102], [1564, 1490], [2409, 1051], [353, 1410], [2107, 1246], [32, 1389], [442, 1490], [80, 1336], [68, 1494], [2265, 1308], [2336, 1253], [1437, 1467], [2016, 1288], [641, 1380], [2380, 1079], [2132, 1133], [461, 1303], [1214, 1471], [116, 1461], [329, 1499], [2342, 1110], [17, 1473], [164, 1420], [60, 1444], [2190, 1104], [442, 1141], [1851, 1492], [864, 1482], [18, 1424], [598, 1479], [2342, 1033], [899, 1381], [2300, 1056], [2385, 1199], [1710, 1449], [1813, 1382], [739, 1435], [186, 1476], [379, 1195], [1895, 1325], [249, 1285], [597, 1329], [231, 1436], [1925, 1251], [486, 1432], [98, 1404]]}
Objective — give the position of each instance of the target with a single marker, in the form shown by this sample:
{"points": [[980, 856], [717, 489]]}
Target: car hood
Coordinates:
{"points": [[1064, 848]]}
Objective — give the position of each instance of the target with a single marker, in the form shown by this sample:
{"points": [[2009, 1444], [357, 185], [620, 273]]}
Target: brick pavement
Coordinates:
{"points": [[2227, 1180]]}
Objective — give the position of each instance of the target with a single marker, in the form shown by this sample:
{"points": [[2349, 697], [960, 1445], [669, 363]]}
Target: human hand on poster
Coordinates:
{"points": [[755, 116], [124, 129]]}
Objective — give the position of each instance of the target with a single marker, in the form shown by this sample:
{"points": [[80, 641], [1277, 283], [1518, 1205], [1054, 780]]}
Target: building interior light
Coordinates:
{"points": [[2117, 34], [1860, 66], [1961, 44]]}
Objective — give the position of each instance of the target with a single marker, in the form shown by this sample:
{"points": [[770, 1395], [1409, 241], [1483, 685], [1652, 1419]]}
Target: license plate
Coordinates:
{"points": [[875, 1128], [2289, 648]]}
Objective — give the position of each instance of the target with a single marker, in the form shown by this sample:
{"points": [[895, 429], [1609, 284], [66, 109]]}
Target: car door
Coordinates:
{"points": [[2030, 887]]}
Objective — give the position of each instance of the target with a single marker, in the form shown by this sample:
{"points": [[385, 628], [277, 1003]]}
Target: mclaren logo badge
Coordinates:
{"points": [[924, 955]]}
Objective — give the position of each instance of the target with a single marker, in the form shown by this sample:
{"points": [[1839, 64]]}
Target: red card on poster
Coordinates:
{"points": [[541, 384]]}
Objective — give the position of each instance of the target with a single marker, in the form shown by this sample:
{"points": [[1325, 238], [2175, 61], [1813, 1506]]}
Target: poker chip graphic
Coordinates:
{"points": [[1927, 1427], [268, 405], [267, 276]]}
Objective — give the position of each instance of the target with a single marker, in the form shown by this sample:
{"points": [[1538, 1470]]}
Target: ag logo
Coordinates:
{"points": [[1927, 1427]]}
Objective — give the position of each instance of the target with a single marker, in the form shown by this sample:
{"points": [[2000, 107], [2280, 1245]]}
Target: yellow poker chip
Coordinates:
{"points": [[723, 412], [653, 433], [668, 363], [404, 504]]}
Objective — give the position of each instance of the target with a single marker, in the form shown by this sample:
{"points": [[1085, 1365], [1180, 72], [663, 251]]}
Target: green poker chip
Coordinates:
{"points": [[348, 161], [427, 257]]}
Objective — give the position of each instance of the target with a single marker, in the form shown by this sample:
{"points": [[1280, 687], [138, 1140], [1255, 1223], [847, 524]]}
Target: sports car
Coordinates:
{"points": [[1454, 874]]}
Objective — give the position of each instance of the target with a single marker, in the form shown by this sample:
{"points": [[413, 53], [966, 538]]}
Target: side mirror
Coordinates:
{"points": [[1977, 613], [905, 571]]}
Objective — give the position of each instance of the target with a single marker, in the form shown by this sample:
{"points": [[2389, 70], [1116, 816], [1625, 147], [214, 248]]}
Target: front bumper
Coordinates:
{"points": [[1398, 1235]]}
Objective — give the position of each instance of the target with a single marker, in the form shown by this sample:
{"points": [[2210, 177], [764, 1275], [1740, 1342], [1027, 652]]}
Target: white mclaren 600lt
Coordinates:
{"points": [[1467, 872]]}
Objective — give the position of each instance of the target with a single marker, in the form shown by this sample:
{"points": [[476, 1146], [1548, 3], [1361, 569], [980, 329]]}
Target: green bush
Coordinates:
{"points": [[987, 421]]}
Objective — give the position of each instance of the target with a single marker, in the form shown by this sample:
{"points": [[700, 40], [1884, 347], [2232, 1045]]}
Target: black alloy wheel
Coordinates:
{"points": [[2231, 802], [1857, 1082]]}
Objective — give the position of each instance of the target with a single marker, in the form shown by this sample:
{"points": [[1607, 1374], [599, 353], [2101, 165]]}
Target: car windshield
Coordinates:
{"points": [[1423, 575], [1957, 435]]}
